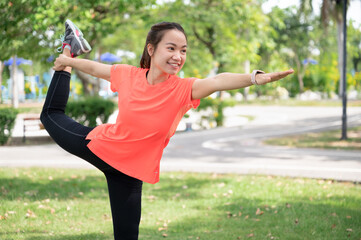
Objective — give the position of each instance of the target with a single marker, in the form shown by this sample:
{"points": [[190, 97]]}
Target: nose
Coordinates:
{"points": [[176, 56]]}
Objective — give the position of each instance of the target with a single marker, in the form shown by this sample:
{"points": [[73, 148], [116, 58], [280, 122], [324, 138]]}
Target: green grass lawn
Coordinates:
{"points": [[54, 204], [326, 139]]}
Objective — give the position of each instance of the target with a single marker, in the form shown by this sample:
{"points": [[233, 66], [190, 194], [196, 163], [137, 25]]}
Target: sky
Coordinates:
{"points": [[354, 11]]}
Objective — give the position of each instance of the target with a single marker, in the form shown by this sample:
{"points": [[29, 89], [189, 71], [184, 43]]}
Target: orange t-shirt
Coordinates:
{"points": [[148, 117]]}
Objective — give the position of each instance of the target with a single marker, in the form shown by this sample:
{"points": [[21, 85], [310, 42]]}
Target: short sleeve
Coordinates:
{"points": [[192, 103], [117, 73]]}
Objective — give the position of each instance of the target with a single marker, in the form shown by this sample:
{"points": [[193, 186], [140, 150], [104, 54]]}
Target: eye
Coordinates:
{"points": [[184, 51], [171, 48]]}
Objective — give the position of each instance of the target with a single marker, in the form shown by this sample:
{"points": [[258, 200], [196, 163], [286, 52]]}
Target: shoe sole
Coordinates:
{"points": [[74, 28]]}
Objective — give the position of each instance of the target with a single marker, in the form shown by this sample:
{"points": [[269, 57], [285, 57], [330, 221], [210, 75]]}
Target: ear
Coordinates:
{"points": [[150, 49]]}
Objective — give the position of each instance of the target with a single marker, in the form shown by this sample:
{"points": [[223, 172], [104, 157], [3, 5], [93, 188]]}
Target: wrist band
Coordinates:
{"points": [[253, 76]]}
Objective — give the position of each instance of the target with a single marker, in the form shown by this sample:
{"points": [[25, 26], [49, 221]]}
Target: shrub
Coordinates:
{"points": [[87, 110], [7, 122], [217, 105]]}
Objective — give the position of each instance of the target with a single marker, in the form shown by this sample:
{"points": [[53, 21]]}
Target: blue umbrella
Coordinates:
{"points": [[19, 61], [311, 61], [108, 57]]}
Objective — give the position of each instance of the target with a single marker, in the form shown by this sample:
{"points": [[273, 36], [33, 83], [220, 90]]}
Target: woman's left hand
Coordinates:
{"points": [[264, 78], [61, 62]]}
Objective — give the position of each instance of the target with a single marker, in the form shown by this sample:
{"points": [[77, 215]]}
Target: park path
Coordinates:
{"points": [[237, 148]]}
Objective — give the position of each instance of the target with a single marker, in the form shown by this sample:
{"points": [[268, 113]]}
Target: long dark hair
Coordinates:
{"points": [[155, 35]]}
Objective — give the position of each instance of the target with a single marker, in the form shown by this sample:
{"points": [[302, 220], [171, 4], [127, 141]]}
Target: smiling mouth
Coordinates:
{"points": [[176, 65]]}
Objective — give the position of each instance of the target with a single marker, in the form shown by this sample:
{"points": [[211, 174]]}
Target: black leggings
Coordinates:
{"points": [[124, 191]]}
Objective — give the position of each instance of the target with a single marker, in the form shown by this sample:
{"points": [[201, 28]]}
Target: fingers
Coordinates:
{"points": [[278, 75], [58, 68], [58, 63]]}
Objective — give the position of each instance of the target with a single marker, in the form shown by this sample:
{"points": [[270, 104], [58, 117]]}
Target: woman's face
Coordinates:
{"points": [[171, 52]]}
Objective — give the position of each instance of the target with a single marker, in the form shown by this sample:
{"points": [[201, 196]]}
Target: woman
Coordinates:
{"points": [[151, 101]]}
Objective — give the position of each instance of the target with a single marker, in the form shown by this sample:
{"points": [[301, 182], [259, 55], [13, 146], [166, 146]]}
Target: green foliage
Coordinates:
{"points": [[224, 33], [36, 24], [87, 110], [354, 46], [217, 105], [7, 122]]}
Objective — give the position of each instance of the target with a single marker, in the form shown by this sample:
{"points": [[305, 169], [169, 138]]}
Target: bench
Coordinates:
{"points": [[31, 123]]}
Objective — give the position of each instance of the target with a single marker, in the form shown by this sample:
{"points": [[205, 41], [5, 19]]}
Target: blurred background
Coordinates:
{"points": [[223, 36]]}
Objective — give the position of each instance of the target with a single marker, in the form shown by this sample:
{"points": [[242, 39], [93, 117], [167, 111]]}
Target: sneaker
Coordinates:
{"points": [[73, 37]]}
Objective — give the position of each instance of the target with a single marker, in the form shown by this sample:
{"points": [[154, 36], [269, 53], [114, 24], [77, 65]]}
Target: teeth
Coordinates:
{"points": [[174, 64]]}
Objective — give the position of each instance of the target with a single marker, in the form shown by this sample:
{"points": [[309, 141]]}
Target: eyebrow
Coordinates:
{"points": [[173, 44]]}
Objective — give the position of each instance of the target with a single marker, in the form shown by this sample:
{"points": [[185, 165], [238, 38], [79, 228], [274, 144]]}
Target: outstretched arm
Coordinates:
{"points": [[227, 81], [93, 68]]}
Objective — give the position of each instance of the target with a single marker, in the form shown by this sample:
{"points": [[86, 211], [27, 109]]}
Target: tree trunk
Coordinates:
{"points": [[299, 74], [355, 62], [86, 80], [2, 65], [97, 86], [15, 90], [247, 69], [340, 38]]}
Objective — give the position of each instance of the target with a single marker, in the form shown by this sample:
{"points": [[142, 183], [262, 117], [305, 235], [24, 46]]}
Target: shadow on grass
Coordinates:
{"points": [[59, 188], [90, 236], [189, 188], [252, 219]]}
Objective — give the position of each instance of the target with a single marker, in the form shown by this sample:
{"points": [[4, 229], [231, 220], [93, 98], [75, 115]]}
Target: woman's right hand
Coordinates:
{"points": [[61, 62]]}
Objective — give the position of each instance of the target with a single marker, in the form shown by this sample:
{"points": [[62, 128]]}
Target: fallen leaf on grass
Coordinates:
{"points": [[165, 235], [259, 212], [349, 217], [250, 235], [30, 214], [349, 229], [151, 197], [333, 226]]}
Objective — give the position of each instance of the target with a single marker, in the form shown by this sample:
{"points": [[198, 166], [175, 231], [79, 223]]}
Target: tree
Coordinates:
{"points": [[295, 39], [354, 46], [35, 24], [332, 9], [223, 33]]}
